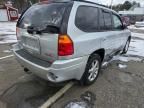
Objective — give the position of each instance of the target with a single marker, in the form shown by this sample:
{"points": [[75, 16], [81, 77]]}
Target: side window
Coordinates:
{"points": [[87, 19], [101, 22], [105, 21], [117, 22]]}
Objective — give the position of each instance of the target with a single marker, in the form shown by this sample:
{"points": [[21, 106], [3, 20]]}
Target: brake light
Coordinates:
{"points": [[17, 33], [65, 45]]}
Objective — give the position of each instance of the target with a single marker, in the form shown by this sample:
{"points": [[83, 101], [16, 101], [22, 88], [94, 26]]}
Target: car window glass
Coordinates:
{"points": [[107, 20], [42, 15], [117, 22], [87, 18]]}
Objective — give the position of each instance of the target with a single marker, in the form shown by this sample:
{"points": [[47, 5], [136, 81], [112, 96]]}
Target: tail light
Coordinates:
{"points": [[65, 45], [17, 33]]}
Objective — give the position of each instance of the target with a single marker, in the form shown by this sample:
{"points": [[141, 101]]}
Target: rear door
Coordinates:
{"points": [[109, 38], [40, 27]]}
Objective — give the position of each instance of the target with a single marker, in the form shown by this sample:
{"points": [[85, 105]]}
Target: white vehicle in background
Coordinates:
{"points": [[139, 24]]}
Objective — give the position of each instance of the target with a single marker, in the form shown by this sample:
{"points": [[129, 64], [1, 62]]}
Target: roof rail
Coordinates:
{"points": [[79, 1], [91, 3]]}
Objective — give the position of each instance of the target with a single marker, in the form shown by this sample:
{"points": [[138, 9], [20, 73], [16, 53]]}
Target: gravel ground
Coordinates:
{"points": [[114, 88], [5, 50]]}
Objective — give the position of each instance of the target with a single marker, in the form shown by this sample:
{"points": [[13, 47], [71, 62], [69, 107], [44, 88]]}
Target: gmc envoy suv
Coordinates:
{"points": [[69, 40]]}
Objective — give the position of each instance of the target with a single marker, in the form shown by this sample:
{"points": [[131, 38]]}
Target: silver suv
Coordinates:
{"points": [[60, 41]]}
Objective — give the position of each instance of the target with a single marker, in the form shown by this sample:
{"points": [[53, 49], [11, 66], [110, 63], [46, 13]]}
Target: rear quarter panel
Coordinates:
{"points": [[84, 43]]}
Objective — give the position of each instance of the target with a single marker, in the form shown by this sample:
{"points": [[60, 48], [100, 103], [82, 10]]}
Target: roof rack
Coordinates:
{"points": [[91, 3]]}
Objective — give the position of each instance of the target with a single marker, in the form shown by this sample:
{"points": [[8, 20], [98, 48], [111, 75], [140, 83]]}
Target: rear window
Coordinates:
{"points": [[42, 15]]}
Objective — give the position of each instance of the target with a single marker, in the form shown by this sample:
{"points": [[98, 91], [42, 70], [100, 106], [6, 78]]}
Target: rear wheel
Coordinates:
{"points": [[126, 46], [92, 70]]}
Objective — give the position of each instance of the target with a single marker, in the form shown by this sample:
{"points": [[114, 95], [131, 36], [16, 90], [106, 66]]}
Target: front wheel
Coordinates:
{"points": [[92, 70]]}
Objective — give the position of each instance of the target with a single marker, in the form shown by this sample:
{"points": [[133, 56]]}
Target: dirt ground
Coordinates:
{"points": [[115, 87]]}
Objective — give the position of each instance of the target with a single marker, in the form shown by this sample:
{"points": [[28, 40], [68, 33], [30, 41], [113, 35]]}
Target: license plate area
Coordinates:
{"points": [[31, 44]]}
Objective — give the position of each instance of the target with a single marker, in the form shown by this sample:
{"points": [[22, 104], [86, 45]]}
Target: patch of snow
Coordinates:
{"points": [[87, 101], [121, 66], [105, 64], [6, 51], [121, 58], [138, 35], [139, 24], [8, 32], [136, 47], [126, 58], [136, 28], [76, 105]]}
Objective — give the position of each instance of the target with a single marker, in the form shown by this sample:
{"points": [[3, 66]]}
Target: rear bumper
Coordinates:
{"points": [[58, 71]]}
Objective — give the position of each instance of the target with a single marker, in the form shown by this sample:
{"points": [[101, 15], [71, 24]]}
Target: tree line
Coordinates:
{"points": [[125, 6]]}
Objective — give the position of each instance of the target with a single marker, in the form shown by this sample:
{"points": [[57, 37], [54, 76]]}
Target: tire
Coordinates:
{"points": [[126, 46], [91, 73]]}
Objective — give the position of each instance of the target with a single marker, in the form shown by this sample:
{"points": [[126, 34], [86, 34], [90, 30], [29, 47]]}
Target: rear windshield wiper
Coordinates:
{"points": [[46, 29], [50, 29]]}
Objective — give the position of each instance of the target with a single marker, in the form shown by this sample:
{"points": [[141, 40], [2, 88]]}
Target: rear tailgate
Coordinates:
{"points": [[36, 36], [49, 46], [42, 46]]}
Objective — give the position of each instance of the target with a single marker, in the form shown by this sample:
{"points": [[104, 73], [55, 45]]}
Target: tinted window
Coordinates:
{"points": [[101, 23], [107, 20], [41, 15], [87, 18], [117, 22]]}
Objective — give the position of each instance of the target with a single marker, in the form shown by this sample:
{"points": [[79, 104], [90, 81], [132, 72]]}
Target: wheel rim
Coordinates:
{"points": [[93, 71]]}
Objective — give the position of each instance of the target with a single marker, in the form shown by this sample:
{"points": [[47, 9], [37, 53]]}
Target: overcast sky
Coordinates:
{"points": [[108, 2]]}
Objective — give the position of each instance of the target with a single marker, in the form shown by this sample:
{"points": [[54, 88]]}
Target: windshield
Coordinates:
{"points": [[42, 15]]}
